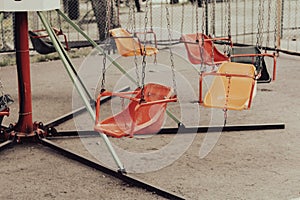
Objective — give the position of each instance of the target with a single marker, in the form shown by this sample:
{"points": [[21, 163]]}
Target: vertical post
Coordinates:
{"points": [[24, 124]]}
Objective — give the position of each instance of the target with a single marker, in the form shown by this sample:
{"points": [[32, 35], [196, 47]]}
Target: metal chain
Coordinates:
{"points": [[151, 16], [213, 31], [107, 40], [225, 116], [268, 25], [226, 101], [133, 16], [259, 36], [130, 17], [144, 63], [227, 23], [170, 49], [201, 47], [146, 22], [118, 11], [182, 19], [260, 32], [136, 69], [143, 77], [212, 17], [133, 30], [213, 54], [275, 31], [59, 22], [226, 18], [197, 22], [228, 47], [229, 17], [203, 17]]}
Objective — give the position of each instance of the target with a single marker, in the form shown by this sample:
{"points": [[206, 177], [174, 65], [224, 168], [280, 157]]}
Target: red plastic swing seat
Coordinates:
{"points": [[4, 112], [233, 87], [128, 45], [138, 117], [210, 54]]}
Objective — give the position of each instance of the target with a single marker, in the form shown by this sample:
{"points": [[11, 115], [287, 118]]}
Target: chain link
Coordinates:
{"points": [[151, 16], [227, 48], [275, 29], [170, 49], [197, 22], [229, 17], [136, 69], [201, 47], [226, 18], [133, 30], [130, 17], [144, 63], [107, 40], [226, 101], [259, 36], [182, 17], [212, 17], [212, 13], [268, 24]]}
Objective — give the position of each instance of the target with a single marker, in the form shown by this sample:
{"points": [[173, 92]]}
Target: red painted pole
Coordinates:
{"points": [[24, 125]]}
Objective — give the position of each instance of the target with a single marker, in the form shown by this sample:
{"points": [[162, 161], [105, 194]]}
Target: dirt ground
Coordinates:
{"points": [[242, 165]]}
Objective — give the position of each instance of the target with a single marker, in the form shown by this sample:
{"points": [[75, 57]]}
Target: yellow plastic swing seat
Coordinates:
{"points": [[128, 45], [139, 117], [233, 87]]}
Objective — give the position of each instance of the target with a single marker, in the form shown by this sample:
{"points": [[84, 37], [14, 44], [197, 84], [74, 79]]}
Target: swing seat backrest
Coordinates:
{"points": [[233, 87], [128, 45], [210, 54], [255, 60], [40, 45], [139, 118]]}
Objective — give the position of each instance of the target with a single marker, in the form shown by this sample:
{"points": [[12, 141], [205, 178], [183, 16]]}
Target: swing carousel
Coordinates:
{"points": [[135, 118]]}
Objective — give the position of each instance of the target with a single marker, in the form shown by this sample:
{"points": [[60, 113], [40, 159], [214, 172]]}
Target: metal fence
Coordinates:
{"points": [[279, 19]]}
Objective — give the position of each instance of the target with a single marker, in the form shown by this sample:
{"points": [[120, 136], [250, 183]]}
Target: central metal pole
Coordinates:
{"points": [[24, 125]]}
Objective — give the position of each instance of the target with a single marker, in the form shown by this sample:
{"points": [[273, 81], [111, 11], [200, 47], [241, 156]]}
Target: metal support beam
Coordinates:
{"points": [[185, 130], [227, 128], [5, 144], [78, 85], [126, 178]]}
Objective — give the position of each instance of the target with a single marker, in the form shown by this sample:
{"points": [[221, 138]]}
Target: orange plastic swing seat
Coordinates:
{"points": [[128, 45], [210, 54], [233, 87], [146, 117]]}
